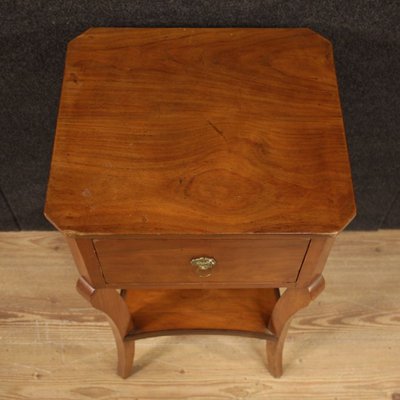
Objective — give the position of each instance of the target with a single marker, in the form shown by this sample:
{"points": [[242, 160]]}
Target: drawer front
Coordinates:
{"points": [[256, 261]]}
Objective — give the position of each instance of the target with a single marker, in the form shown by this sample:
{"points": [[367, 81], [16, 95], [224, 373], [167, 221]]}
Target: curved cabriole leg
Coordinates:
{"points": [[289, 303], [110, 302], [126, 352], [275, 352]]}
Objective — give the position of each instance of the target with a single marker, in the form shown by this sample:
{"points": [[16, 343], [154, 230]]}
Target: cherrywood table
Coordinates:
{"points": [[201, 172]]}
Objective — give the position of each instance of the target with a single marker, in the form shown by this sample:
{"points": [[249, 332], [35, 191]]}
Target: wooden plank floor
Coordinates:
{"points": [[346, 345]]}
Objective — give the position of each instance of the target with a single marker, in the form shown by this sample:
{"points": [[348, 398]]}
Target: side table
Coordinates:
{"points": [[200, 177]]}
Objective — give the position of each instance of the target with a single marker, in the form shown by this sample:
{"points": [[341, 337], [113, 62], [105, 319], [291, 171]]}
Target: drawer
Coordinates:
{"points": [[163, 262]]}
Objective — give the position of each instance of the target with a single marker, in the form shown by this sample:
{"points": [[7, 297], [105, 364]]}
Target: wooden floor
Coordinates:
{"points": [[346, 345]]}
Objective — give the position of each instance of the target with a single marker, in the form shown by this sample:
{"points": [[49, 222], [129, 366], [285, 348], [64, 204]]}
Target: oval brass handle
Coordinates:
{"points": [[204, 265]]}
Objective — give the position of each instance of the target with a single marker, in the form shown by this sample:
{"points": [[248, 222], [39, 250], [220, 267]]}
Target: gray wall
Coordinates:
{"points": [[33, 38]]}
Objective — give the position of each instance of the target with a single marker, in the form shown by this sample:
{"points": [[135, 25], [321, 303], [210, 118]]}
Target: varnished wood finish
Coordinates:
{"points": [[289, 303], [116, 310], [264, 262], [315, 259], [179, 143], [86, 261], [220, 311], [193, 131], [344, 344]]}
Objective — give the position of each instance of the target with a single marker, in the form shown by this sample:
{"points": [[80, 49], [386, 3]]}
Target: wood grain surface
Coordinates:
{"points": [[195, 131], [243, 311], [344, 346], [268, 261]]}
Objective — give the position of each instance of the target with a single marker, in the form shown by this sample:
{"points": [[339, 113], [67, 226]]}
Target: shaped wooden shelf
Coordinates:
{"points": [[243, 312]]}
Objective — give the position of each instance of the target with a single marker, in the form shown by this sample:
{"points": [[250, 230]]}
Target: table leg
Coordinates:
{"points": [[110, 302], [289, 303]]}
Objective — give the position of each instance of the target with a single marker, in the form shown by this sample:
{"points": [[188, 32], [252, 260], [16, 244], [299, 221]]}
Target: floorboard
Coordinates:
{"points": [[346, 345]]}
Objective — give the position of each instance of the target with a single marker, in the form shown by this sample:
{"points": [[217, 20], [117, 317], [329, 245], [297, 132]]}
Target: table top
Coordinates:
{"points": [[199, 131]]}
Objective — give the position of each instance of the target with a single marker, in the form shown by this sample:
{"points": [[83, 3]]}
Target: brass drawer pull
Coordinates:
{"points": [[204, 265]]}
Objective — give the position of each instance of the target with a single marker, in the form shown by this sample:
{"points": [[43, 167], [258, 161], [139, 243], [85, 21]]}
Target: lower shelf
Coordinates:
{"points": [[207, 311]]}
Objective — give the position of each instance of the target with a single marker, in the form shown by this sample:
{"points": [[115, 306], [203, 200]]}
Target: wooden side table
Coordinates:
{"points": [[200, 171]]}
